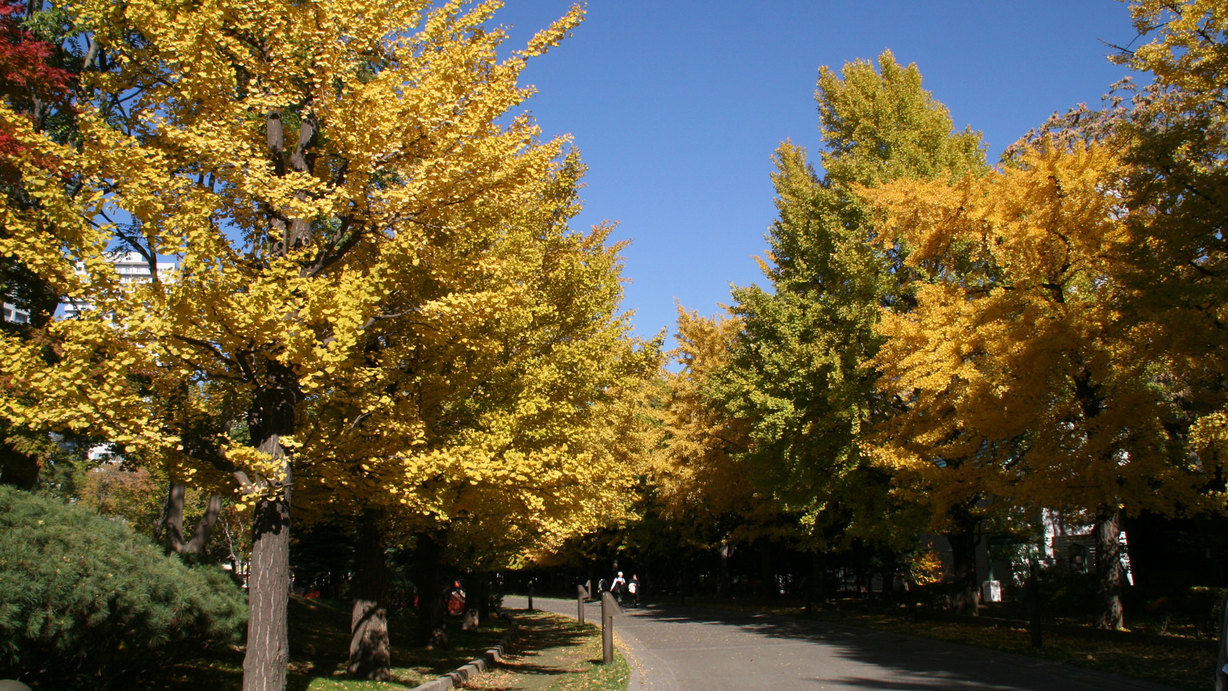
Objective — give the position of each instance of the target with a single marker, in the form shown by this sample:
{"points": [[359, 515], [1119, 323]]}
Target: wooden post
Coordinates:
{"points": [[581, 596], [608, 609]]}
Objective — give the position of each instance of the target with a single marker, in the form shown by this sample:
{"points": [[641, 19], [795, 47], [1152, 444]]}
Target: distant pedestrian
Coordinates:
{"points": [[633, 589], [601, 588], [455, 599], [618, 587]]}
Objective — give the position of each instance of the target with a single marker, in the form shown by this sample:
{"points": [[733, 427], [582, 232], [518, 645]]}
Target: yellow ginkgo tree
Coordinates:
{"points": [[1015, 360], [354, 296]]}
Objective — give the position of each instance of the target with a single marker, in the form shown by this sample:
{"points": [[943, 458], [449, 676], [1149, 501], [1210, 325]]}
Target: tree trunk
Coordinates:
{"points": [[370, 649], [479, 595], [890, 568], [174, 521], [819, 591], [724, 586], [428, 576], [1109, 572], [1035, 600], [268, 645], [964, 596]]}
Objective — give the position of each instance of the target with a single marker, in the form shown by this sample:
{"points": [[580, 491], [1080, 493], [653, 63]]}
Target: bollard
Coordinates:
{"points": [[608, 609], [581, 596]]}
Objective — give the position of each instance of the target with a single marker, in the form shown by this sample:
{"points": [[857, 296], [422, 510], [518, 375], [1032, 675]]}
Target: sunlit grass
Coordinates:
{"points": [[556, 653]]}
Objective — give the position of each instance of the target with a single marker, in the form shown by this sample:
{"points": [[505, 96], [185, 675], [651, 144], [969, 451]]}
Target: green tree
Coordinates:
{"points": [[798, 371], [84, 599]]}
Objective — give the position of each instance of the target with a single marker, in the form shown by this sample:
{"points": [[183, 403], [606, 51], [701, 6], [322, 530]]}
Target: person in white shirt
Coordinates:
{"points": [[618, 586]]}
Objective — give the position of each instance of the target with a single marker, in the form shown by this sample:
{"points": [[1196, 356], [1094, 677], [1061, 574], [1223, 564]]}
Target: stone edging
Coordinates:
{"points": [[476, 666]]}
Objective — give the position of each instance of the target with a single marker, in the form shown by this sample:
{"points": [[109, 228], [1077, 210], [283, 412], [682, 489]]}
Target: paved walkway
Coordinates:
{"points": [[672, 648]]}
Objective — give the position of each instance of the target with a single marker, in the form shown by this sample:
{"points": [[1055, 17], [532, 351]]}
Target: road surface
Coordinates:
{"points": [[680, 648]]}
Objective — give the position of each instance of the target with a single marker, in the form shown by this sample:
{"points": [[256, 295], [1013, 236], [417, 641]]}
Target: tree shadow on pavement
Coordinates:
{"points": [[911, 662]]}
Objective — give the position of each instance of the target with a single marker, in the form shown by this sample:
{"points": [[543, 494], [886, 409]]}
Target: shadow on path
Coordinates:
{"points": [[719, 648]]}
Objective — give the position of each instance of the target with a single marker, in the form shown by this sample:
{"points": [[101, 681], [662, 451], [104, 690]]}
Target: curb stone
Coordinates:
{"points": [[489, 659]]}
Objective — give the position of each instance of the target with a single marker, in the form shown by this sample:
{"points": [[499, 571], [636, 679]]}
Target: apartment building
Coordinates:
{"points": [[131, 267]]}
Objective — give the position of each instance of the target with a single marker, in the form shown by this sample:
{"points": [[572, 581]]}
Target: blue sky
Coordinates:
{"points": [[677, 106]]}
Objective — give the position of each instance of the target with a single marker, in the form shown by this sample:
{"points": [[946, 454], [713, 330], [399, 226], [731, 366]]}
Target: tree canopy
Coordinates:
{"points": [[375, 288]]}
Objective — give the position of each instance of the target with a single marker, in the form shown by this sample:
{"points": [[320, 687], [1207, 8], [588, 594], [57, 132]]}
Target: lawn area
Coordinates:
{"points": [[319, 648]]}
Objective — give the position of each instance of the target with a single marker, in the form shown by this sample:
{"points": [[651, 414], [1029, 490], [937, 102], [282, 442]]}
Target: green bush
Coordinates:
{"points": [[82, 595]]}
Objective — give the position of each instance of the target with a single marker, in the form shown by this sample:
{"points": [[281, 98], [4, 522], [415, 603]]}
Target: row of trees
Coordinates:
{"points": [[378, 309], [380, 317], [947, 347]]}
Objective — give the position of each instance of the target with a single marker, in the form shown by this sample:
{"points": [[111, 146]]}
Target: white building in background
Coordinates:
{"points": [[132, 268], [14, 314], [1071, 541]]}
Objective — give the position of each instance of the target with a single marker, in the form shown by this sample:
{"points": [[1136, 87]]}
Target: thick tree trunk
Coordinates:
{"points": [[174, 521], [1109, 573], [370, 648], [964, 596], [268, 646], [428, 576]]}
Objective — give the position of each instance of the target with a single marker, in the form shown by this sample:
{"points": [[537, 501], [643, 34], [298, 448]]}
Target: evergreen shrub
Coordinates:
{"points": [[84, 596]]}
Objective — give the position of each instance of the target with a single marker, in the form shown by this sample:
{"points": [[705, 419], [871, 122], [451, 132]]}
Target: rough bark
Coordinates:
{"points": [[370, 647], [268, 647], [272, 416], [1109, 572], [174, 522]]}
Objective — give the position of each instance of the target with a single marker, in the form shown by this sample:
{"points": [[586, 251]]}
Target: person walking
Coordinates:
{"points": [[618, 587], [633, 589]]}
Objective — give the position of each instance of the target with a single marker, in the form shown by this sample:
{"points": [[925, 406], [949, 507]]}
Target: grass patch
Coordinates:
{"points": [[319, 650], [556, 653]]}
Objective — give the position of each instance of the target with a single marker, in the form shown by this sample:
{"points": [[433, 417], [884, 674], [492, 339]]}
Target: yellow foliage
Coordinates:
{"points": [[698, 474], [1016, 377], [368, 234]]}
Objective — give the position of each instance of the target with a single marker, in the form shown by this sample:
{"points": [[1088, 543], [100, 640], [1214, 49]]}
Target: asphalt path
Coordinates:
{"points": [[672, 648]]}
